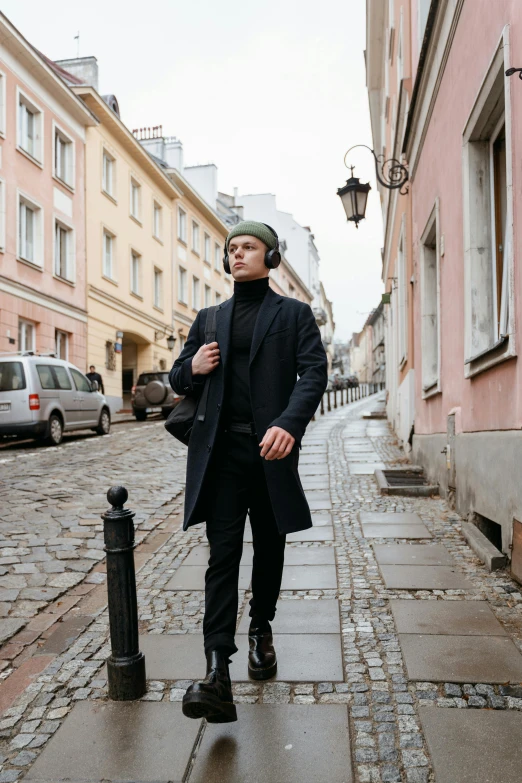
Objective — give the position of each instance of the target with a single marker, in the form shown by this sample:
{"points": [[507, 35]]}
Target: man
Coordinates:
{"points": [[243, 457], [92, 375]]}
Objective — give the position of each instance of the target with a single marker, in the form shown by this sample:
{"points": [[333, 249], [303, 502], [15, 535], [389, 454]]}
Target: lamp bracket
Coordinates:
{"points": [[391, 173], [511, 71], [159, 334]]}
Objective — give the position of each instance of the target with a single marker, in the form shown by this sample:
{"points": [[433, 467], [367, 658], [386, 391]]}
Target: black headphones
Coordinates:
{"points": [[272, 257]]}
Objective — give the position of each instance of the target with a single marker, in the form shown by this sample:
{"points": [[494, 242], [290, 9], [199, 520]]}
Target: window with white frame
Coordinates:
{"points": [[109, 174], [30, 127], [30, 231], [217, 258], [158, 288], [423, 8], [208, 296], [63, 157], [195, 293], [402, 285], [182, 225], [157, 221], [195, 237], [218, 298], [135, 199], [26, 335], [430, 305], [2, 215], [109, 264], [182, 285], [488, 223], [206, 249], [2, 102], [182, 341], [135, 273], [64, 255], [61, 340]]}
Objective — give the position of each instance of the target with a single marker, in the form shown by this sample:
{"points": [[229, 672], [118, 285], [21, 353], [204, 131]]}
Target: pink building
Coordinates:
{"points": [[42, 205], [460, 133]]}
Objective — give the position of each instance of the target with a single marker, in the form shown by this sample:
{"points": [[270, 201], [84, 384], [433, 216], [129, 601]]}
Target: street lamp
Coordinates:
{"points": [[171, 340], [391, 174]]}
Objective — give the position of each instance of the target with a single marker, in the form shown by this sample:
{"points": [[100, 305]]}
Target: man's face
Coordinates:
{"points": [[246, 255], [92, 368]]}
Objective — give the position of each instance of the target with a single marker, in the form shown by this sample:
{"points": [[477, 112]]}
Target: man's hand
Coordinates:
{"points": [[277, 443], [206, 359]]}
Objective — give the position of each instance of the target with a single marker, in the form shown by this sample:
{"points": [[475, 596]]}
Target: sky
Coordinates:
{"points": [[273, 93]]}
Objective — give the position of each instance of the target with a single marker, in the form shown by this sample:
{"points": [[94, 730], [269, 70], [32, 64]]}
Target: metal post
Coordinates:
{"points": [[329, 405], [126, 664], [335, 398], [342, 401], [322, 405]]}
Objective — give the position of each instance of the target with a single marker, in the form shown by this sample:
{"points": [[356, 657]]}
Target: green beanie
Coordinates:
{"points": [[253, 229]]}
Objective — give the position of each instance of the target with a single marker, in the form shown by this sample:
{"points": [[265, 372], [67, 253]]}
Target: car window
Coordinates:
{"points": [[146, 378], [62, 379], [80, 381], [45, 373], [12, 376]]}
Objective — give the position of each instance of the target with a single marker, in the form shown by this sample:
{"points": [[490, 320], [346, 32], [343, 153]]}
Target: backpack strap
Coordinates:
{"points": [[210, 337]]}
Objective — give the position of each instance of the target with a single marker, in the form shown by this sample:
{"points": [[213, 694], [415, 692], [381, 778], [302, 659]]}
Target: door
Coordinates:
{"points": [[89, 402]]}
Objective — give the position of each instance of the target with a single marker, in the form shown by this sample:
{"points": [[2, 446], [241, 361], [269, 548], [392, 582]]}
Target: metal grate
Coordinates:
{"points": [[404, 478]]}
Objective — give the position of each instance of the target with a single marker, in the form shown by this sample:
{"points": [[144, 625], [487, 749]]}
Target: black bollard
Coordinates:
{"points": [[126, 664], [329, 405], [342, 392], [322, 405], [335, 398]]}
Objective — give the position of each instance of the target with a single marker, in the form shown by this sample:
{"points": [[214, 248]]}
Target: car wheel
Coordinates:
{"points": [[140, 415], [54, 431], [104, 425]]}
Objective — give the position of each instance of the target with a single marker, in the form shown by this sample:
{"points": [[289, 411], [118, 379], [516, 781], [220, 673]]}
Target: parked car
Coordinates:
{"points": [[43, 397], [353, 381], [153, 393]]}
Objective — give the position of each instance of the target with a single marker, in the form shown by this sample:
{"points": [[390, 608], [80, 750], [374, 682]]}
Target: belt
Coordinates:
{"points": [[245, 429]]}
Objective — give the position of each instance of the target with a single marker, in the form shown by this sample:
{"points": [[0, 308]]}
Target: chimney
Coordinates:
{"points": [[84, 68], [173, 156]]}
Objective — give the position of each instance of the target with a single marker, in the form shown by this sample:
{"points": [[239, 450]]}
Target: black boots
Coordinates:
{"points": [[211, 698], [262, 661]]}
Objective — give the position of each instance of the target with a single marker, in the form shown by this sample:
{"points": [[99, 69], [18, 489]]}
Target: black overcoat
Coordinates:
{"points": [[286, 344]]}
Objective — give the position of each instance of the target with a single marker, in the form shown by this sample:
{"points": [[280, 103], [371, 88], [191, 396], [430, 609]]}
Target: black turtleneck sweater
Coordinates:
{"points": [[248, 297]]}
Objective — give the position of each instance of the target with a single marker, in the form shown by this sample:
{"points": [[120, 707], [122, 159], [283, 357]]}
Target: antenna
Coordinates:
{"points": [[77, 38]]}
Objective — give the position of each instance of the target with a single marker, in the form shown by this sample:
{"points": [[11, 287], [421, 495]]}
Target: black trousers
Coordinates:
{"points": [[236, 485]]}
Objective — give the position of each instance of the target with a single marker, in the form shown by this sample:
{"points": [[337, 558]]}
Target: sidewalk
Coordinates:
{"points": [[396, 649]]}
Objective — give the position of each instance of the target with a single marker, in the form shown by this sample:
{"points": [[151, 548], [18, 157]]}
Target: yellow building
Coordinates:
{"points": [[130, 225]]}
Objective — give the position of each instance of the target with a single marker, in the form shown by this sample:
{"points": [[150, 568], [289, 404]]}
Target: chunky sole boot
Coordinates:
{"points": [[258, 673], [262, 660], [212, 698], [205, 705]]}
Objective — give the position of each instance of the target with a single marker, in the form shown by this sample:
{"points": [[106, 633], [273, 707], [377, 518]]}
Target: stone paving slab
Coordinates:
{"points": [[319, 533], [466, 659], [412, 554], [396, 531], [277, 743], [301, 616], [473, 746], [309, 555], [456, 618], [318, 505], [362, 456], [319, 469], [406, 577], [315, 483], [119, 741], [364, 468], [389, 518], [321, 518], [189, 577], [309, 577]]}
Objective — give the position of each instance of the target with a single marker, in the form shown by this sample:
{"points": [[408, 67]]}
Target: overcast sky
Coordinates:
{"points": [[273, 93]]}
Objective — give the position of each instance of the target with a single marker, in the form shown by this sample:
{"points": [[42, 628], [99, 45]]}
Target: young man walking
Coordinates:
{"points": [[267, 372]]}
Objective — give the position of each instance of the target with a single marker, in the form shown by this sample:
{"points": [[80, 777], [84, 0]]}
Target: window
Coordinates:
{"points": [[182, 341], [30, 127], [422, 12], [217, 258], [108, 174], [2, 212], [182, 285], [135, 199], [488, 223], [195, 237], [218, 298], [63, 157], [182, 225], [108, 255], [61, 340], [12, 376], [30, 235], [52, 376], [208, 296], [206, 249], [402, 285], [2, 103], [157, 221], [430, 306], [158, 288], [135, 270], [26, 335], [63, 251], [80, 381], [291, 290], [195, 293]]}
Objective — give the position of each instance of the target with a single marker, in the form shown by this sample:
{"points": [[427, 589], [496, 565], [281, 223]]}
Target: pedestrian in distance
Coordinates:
{"points": [[92, 375], [267, 372]]}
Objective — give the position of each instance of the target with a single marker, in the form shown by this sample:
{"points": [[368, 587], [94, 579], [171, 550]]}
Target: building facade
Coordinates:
{"points": [[460, 137], [43, 128]]}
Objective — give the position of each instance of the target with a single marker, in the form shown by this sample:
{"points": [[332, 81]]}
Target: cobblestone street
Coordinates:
{"points": [[357, 631]]}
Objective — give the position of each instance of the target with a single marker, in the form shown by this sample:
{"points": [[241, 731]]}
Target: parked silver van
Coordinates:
{"points": [[43, 397]]}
